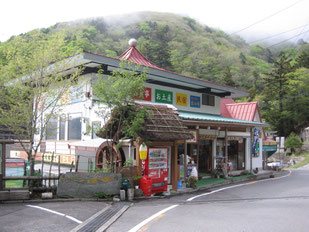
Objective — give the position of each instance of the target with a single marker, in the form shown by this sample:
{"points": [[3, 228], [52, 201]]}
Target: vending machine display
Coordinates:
{"points": [[156, 168]]}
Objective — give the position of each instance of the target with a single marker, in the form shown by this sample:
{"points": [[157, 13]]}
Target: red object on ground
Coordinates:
{"points": [[145, 184]]}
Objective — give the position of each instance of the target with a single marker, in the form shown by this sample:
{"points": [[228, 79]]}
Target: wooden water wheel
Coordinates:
{"points": [[106, 159]]}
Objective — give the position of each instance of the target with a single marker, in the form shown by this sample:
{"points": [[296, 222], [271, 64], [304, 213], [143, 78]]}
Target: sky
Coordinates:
{"points": [[231, 16]]}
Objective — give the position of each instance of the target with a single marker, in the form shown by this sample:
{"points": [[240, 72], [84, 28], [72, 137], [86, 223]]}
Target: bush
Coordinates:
{"points": [[293, 141]]}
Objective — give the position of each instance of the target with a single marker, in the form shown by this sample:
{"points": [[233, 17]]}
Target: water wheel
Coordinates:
{"points": [[108, 156]]}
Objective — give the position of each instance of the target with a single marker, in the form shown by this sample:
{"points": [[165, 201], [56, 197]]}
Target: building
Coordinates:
{"points": [[218, 137]]}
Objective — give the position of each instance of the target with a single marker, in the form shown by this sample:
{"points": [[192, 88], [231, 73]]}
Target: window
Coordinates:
{"points": [[51, 129], [75, 127], [62, 126], [95, 127], [208, 100]]}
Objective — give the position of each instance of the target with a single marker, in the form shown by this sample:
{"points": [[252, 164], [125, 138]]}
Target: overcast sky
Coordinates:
{"points": [[20, 16]]}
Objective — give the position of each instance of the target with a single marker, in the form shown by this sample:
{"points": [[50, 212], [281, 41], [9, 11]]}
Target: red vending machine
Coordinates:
{"points": [[156, 167]]}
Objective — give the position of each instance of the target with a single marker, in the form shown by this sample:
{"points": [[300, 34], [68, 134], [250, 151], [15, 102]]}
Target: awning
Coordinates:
{"points": [[216, 118]]}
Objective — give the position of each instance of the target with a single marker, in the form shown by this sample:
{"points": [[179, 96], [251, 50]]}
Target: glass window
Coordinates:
{"points": [[62, 125], [51, 129], [75, 127], [208, 100], [96, 126]]}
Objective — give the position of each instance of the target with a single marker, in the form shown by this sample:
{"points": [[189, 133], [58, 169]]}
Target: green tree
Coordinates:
{"points": [[31, 85], [227, 78], [117, 94], [293, 141], [275, 90]]}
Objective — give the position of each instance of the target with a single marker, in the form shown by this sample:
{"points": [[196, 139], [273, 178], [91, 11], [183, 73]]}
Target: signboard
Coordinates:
{"points": [[64, 159], [269, 147], [181, 99], [194, 140], [195, 101], [255, 142], [146, 95], [162, 96]]}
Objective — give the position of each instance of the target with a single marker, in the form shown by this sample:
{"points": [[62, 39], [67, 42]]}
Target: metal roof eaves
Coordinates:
{"points": [[162, 72], [219, 119]]}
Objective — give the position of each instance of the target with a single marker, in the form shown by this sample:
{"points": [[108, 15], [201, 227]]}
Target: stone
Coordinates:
{"points": [[122, 195], [48, 195], [87, 185]]}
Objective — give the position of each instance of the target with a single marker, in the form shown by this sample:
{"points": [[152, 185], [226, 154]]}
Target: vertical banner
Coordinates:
{"points": [[255, 142], [162, 96]]}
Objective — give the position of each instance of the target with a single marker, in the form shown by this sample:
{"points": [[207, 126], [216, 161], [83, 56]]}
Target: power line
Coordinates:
{"points": [[301, 32], [288, 39], [269, 37], [267, 17]]}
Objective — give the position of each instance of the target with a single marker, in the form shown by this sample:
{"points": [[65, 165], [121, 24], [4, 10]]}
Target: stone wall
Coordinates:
{"points": [[87, 185]]}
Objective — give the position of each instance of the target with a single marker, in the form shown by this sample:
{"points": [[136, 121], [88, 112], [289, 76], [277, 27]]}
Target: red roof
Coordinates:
{"points": [[133, 55], [242, 111]]}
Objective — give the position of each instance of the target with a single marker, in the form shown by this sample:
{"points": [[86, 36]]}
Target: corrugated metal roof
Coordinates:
{"points": [[243, 111], [215, 118]]}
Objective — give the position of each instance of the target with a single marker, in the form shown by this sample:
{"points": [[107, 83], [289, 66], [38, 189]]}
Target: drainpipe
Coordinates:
{"points": [[250, 149], [226, 154]]}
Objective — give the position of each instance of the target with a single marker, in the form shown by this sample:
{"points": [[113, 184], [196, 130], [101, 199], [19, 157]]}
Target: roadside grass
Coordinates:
{"points": [[301, 163], [14, 183], [208, 181]]}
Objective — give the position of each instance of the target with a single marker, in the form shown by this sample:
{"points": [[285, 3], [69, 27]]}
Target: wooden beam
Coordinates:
{"points": [[174, 166]]}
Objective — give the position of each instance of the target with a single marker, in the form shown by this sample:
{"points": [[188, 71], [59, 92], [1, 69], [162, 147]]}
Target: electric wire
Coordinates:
{"points": [[267, 17], [288, 39], [281, 33]]}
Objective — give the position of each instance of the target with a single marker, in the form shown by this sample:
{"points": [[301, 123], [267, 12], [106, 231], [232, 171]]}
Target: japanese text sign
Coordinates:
{"points": [[181, 99], [163, 96], [195, 101]]}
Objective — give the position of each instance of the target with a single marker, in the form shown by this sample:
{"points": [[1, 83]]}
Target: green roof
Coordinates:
{"points": [[216, 118]]}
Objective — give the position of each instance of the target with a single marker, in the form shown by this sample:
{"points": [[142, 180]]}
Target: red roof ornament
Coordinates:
{"points": [[134, 55]]}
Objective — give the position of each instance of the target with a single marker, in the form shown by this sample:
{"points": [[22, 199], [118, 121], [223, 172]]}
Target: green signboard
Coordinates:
{"points": [[162, 96], [269, 147]]}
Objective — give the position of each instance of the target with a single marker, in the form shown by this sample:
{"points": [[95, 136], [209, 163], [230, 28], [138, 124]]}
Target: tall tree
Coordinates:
{"points": [[117, 94], [275, 90], [32, 83]]}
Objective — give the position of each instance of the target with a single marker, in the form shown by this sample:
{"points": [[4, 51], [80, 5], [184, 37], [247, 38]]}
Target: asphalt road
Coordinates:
{"points": [[268, 205], [47, 217]]}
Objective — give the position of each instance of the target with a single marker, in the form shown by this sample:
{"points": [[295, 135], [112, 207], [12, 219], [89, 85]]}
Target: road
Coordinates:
{"points": [[279, 204], [270, 205]]}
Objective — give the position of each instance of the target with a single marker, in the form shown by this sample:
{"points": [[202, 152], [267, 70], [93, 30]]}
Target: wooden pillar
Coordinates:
{"points": [[225, 153], [2, 183], [138, 160], [185, 161], [174, 166]]}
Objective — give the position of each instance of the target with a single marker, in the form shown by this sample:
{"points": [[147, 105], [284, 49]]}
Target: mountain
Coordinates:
{"points": [[173, 42]]}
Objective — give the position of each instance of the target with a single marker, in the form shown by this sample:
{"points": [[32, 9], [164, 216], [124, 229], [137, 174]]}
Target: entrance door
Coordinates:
{"points": [[205, 156]]}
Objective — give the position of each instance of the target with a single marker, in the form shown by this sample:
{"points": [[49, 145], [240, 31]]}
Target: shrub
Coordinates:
{"points": [[293, 141]]}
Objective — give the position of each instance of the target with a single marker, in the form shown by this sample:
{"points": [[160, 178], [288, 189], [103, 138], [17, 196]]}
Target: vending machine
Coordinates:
{"points": [[156, 167]]}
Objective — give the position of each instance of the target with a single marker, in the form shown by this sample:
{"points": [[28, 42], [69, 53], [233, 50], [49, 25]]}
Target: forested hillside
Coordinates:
{"points": [[185, 46]]}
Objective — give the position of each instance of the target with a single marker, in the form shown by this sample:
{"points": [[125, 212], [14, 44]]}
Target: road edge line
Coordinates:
{"points": [[141, 224]]}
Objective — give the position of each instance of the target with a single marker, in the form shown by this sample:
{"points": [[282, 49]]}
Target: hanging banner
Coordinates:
{"points": [[162, 96], [255, 142], [181, 99]]}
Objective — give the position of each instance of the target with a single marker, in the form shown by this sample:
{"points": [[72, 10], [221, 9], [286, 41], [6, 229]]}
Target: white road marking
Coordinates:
{"points": [[234, 186], [57, 213], [140, 225]]}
